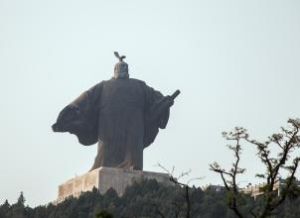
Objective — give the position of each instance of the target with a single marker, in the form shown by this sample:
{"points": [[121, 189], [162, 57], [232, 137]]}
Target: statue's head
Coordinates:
{"points": [[121, 68]]}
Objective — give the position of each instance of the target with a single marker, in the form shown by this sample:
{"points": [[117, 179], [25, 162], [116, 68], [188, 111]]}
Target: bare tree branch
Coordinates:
{"points": [[287, 141]]}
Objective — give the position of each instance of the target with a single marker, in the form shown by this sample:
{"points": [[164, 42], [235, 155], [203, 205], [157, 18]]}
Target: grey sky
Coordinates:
{"points": [[236, 63]]}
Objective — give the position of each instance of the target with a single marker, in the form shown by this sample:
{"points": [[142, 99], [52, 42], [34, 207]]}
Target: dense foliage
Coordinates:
{"points": [[146, 199]]}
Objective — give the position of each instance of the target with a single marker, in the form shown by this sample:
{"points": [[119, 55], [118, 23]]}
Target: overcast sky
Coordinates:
{"points": [[237, 63]]}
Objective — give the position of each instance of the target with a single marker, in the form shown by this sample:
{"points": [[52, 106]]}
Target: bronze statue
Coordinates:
{"points": [[122, 114]]}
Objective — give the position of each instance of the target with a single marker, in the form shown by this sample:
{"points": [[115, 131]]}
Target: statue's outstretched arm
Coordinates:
{"points": [[80, 117]]}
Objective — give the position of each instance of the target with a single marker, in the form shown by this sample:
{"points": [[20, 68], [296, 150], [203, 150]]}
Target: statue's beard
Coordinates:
{"points": [[121, 75]]}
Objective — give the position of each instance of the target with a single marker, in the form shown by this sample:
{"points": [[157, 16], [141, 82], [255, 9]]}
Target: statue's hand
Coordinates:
{"points": [[170, 100], [55, 127]]}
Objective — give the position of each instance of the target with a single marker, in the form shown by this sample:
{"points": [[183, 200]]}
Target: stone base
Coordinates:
{"points": [[104, 178]]}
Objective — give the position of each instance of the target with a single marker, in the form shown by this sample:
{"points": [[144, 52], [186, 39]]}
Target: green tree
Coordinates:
{"points": [[17, 210], [21, 200], [104, 214], [4, 208]]}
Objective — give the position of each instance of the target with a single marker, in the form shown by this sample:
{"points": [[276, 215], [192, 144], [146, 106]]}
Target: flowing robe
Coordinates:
{"points": [[119, 114]]}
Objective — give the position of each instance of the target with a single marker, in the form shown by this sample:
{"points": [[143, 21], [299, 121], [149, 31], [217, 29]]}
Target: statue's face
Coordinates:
{"points": [[121, 70]]}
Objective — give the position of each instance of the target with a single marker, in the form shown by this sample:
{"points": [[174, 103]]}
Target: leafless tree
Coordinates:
{"points": [[229, 177], [287, 141], [185, 186]]}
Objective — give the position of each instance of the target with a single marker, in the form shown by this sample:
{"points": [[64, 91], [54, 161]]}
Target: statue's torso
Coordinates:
{"points": [[119, 96], [121, 123]]}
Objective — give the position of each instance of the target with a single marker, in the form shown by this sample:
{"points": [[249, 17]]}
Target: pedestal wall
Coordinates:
{"points": [[104, 178]]}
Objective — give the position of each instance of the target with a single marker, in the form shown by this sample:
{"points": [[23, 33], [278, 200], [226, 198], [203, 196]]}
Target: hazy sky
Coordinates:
{"points": [[236, 63]]}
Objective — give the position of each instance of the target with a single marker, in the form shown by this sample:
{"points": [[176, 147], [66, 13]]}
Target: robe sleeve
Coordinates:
{"points": [[157, 111], [81, 116]]}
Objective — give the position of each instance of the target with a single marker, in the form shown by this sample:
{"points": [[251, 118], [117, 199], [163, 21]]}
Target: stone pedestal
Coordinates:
{"points": [[104, 178]]}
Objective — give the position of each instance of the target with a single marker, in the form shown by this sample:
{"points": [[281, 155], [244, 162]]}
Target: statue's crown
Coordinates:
{"points": [[121, 68], [119, 57]]}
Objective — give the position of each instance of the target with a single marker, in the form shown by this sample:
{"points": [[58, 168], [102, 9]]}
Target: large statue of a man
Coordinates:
{"points": [[122, 114]]}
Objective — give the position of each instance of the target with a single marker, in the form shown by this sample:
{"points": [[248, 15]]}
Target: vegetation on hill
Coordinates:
{"points": [[142, 200]]}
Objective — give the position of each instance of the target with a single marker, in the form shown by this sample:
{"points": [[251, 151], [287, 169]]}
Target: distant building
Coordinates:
{"points": [[257, 190]]}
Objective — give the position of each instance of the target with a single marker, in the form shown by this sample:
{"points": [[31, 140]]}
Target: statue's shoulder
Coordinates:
{"points": [[141, 82], [103, 82], [98, 86], [112, 81]]}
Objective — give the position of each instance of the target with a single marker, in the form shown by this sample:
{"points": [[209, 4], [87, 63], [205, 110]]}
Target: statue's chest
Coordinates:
{"points": [[123, 94]]}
